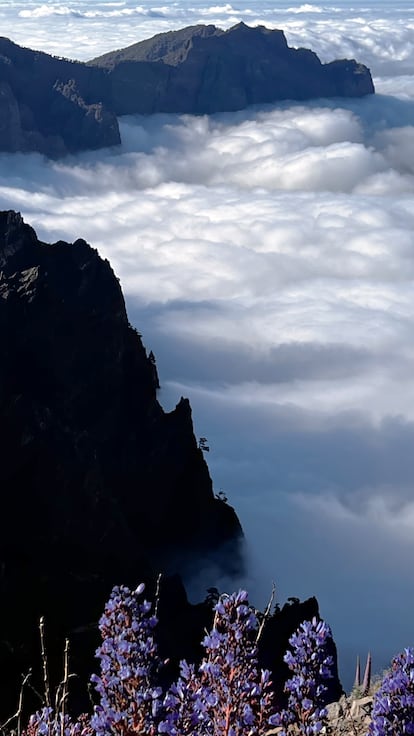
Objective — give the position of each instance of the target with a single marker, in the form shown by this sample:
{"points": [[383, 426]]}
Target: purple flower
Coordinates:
{"points": [[393, 706]]}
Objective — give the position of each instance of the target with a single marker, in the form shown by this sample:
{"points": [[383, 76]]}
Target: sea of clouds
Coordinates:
{"points": [[267, 256]]}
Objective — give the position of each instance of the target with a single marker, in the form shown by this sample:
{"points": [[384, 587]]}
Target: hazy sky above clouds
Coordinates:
{"points": [[267, 256]]}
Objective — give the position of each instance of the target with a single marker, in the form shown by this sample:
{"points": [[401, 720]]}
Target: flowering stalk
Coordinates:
{"points": [[311, 664], [129, 697], [366, 682], [357, 683], [226, 696]]}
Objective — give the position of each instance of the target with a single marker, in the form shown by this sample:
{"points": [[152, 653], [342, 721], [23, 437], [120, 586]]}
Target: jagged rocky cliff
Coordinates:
{"points": [[81, 425], [57, 106], [43, 109], [97, 481]]}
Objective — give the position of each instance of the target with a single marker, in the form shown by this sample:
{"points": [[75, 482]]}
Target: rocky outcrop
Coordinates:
{"points": [[202, 69], [98, 483], [42, 107], [57, 106], [350, 716], [347, 716]]}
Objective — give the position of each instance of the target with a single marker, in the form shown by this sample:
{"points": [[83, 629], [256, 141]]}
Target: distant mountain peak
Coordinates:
{"points": [[203, 69]]}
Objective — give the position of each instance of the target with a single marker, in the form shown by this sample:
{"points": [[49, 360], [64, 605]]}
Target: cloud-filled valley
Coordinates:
{"points": [[267, 257]]}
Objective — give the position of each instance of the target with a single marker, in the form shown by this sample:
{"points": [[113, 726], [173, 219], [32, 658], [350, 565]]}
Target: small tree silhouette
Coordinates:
{"points": [[222, 496], [202, 444], [151, 358]]}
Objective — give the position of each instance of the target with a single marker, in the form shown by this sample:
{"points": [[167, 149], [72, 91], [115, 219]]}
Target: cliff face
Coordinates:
{"points": [[81, 425], [97, 481], [57, 106], [202, 69], [43, 109]]}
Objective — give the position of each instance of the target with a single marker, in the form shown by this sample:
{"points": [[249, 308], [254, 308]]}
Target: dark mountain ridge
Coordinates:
{"points": [[203, 69], [57, 106]]}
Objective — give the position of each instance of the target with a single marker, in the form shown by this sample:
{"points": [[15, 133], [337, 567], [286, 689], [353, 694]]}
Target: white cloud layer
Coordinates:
{"points": [[267, 257], [378, 34]]}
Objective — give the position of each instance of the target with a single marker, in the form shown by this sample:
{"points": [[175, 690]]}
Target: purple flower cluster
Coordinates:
{"points": [[47, 722], [129, 697], [226, 696], [311, 664], [393, 707]]}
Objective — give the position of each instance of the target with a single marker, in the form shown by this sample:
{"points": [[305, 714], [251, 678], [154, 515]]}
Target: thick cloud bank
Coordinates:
{"points": [[268, 258]]}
